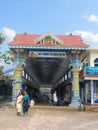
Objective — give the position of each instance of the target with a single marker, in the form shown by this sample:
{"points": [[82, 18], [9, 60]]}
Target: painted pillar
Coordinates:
{"points": [[19, 61], [76, 96], [92, 92], [75, 78]]}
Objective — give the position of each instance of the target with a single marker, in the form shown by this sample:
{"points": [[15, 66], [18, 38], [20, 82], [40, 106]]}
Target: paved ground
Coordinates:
{"points": [[48, 118]]}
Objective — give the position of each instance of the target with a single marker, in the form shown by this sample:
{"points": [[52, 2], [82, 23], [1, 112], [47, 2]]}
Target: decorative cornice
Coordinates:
{"points": [[44, 47]]}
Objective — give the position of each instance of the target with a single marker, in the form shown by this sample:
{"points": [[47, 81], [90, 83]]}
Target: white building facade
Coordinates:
{"points": [[91, 76]]}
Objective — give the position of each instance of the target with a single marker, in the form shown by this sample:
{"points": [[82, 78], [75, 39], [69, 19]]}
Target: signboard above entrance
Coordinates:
{"points": [[48, 54], [91, 71]]}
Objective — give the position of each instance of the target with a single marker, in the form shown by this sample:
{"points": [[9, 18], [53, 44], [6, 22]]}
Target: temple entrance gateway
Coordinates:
{"points": [[47, 61]]}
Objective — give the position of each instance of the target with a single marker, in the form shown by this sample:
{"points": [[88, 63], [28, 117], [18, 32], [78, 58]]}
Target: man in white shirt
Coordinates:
{"points": [[55, 99]]}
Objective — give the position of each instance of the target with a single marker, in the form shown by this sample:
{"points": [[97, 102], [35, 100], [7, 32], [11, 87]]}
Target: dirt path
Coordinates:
{"points": [[42, 118]]}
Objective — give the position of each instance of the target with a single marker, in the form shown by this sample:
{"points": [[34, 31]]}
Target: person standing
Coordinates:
{"points": [[19, 103], [55, 99], [26, 103]]}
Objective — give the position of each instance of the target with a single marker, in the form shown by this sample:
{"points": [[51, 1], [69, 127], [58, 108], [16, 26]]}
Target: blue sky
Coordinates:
{"points": [[54, 16]]}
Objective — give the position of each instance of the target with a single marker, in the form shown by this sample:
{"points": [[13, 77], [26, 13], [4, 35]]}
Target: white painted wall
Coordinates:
{"points": [[93, 55]]}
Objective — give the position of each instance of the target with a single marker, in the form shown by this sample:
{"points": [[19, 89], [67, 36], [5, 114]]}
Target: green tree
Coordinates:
{"points": [[2, 38], [1, 69], [6, 57]]}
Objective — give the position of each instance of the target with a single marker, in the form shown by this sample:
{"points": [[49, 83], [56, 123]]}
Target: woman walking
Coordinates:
{"points": [[26, 103], [19, 103]]}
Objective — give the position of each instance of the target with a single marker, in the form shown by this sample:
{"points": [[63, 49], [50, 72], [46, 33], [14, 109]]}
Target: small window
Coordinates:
{"points": [[96, 62]]}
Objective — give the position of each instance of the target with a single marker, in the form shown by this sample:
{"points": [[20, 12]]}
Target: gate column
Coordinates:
{"points": [[19, 60], [76, 64]]}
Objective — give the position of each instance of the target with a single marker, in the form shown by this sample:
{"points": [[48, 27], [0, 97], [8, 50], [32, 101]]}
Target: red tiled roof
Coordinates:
{"points": [[29, 39], [24, 39], [72, 40]]}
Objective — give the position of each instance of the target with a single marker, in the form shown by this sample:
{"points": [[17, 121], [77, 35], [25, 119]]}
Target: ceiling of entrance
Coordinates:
{"points": [[46, 71]]}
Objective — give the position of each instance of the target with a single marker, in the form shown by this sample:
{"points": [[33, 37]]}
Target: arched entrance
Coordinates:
{"points": [[46, 61]]}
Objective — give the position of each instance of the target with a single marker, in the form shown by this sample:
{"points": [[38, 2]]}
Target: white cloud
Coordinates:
{"points": [[8, 33], [88, 37], [92, 18]]}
